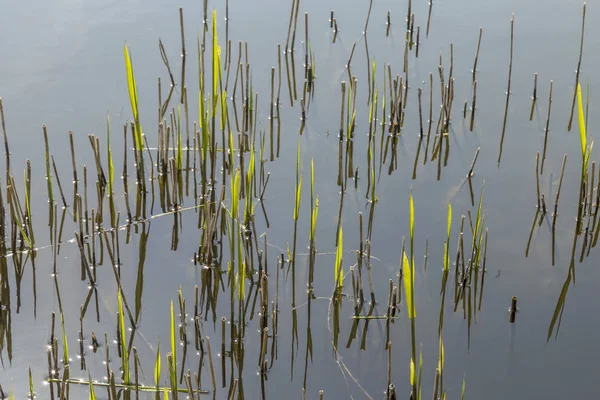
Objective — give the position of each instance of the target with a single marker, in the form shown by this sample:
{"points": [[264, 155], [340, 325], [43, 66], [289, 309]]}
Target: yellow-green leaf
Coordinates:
{"points": [[157, 365], [412, 372], [124, 354], [338, 259], [411, 216], [92, 393], [315, 215], [173, 340], [447, 244], [582, 133], [441, 356], [409, 282]]}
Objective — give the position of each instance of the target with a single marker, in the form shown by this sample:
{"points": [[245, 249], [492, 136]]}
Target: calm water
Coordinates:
{"points": [[62, 65]]}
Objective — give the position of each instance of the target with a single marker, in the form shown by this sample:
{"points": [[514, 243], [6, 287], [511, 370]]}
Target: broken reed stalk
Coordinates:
{"points": [[418, 39], [341, 135], [420, 93], [408, 16], [412, 30], [547, 128], [537, 177], [349, 61], [183, 53], [295, 24], [577, 71], [429, 18], [48, 173], [287, 42], [369, 15], [470, 174], [62, 195], [6, 151], [512, 25], [75, 180], [473, 105], [430, 120], [534, 96], [513, 309], [278, 94], [305, 45], [271, 143], [211, 366], [388, 24], [477, 55]]}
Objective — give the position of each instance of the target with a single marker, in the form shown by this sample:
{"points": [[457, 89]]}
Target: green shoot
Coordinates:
{"points": [[133, 98], [409, 282], [338, 272], [64, 338], [92, 393], [157, 366], [123, 339], [173, 339], [447, 244], [298, 184], [179, 161], [111, 167], [31, 393]]}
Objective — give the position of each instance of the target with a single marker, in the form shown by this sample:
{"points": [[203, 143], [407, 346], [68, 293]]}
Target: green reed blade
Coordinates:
{"points": [[215, 60], [374, 197], [338, 272], [315, 215], [179, 161], [298, 185], [411, 224], [223, 104], [298, 195], [124, 354], [31, 393], [441, 356], [248, 211], [111, 167], [560, 304], [235, 193], [173, 339], [478, 219], [157, 365], [447, 244], [412, 371], [315, 206], [582, 132], [409, 282], [172, 374], [133, 98], [17, 214], [479, 243], [91, 385], [64, 339]]}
